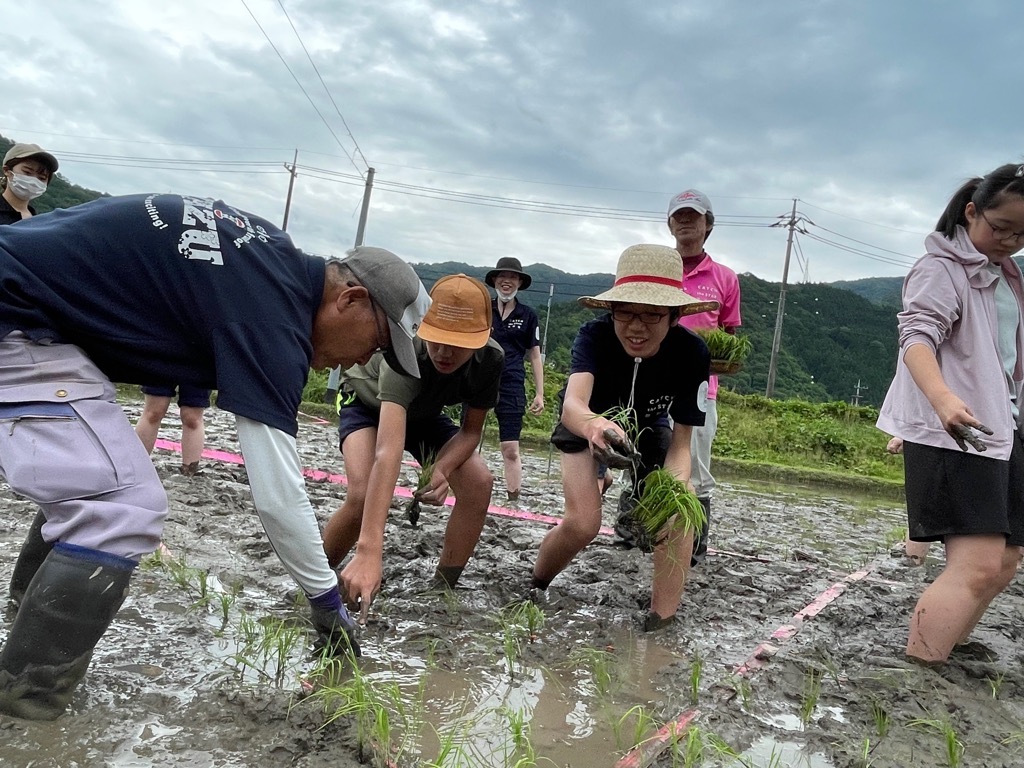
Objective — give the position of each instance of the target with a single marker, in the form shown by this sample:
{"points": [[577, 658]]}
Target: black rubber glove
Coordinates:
{"points": [[335, 627]]}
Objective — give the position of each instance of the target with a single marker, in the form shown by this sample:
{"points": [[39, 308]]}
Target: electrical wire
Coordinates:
{"points": [[326, 89], [301, 88]]}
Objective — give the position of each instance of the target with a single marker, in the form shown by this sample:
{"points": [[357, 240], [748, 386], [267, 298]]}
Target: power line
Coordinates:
{"points": [[301, 88], [858, 252], [326, 89], [862, 221]]}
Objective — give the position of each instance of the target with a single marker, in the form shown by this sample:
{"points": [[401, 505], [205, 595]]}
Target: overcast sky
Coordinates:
{"points": [[551, 130]]}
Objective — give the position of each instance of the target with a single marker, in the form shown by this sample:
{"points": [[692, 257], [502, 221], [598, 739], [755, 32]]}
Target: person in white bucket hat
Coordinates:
{"points": [[635, 357]]}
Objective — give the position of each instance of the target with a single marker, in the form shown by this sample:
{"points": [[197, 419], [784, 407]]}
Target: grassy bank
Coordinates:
{"points": [[786, 441]]}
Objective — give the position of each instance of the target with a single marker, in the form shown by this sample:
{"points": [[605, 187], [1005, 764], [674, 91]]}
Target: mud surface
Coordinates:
{"points": [[179, 681]]}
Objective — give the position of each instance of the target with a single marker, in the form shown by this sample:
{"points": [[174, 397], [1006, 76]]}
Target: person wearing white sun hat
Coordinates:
{"points": [[636, 357]]}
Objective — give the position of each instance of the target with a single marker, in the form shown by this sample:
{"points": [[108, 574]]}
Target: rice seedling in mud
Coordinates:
{"points": [[810, 695], [865, 755], [510, 621], [696, 671], [954, 748], [696, 746], [881, 717], [1015, 739], [728, 351], [643, 725], [523, 754], [528, 615], [412, 512], [995, 684], [664, 500], [269, 647], [600, 663]]}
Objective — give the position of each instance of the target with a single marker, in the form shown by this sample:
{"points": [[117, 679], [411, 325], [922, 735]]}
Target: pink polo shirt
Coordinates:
{"points": [[711, 281]]}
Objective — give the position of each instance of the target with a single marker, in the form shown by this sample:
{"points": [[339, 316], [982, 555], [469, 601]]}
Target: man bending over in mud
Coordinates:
{"points": [[162, 288], [385, 412], [637, 359]]}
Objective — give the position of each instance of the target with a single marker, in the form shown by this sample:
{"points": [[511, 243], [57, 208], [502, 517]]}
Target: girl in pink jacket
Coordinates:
{"points": [[956, 403]]}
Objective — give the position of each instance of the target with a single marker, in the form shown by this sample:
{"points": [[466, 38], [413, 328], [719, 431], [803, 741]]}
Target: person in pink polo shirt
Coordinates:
{"points": [[690, 220]]}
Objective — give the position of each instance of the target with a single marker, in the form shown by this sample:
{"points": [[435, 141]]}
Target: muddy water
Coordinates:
{"points": [[183, 680]]}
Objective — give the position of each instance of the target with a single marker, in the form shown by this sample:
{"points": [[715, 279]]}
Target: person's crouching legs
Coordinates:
{"points": [[472, 484]]}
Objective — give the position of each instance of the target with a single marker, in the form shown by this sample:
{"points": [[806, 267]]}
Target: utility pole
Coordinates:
{"points": [[291, 186], [547, 322], [856, 395], [777, 339], [334, 378], [366, 206]]}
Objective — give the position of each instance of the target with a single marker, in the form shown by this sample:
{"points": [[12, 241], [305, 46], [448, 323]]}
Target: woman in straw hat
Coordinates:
{"points": [[637, 358]]}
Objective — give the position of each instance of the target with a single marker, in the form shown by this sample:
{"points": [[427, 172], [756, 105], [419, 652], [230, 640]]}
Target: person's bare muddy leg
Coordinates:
{"points": [[580, 524], [471, 483], [977, 569]]}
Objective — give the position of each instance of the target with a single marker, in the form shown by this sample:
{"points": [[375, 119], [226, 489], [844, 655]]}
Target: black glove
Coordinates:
{"points": [[335, 627]]}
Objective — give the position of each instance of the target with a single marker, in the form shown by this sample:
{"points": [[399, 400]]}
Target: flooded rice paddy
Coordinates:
{"points": [[787, 650]]}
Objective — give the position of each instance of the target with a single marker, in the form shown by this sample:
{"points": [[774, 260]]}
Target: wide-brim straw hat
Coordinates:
{"points": [[649, 274]]}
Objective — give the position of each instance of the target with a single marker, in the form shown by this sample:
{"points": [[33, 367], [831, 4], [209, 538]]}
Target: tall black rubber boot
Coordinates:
{"points": [[700, 541], [32, 554], [68, 606]]}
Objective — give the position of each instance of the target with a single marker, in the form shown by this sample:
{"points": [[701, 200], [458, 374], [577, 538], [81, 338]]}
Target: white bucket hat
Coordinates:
{"points": [[649, 274]]}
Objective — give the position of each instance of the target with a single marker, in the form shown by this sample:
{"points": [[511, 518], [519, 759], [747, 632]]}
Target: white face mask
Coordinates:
{"points": [[505, 298], [26, 187]]}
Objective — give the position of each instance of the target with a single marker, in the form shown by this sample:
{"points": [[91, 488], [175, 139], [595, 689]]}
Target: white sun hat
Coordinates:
{"points": [[649, 274]]}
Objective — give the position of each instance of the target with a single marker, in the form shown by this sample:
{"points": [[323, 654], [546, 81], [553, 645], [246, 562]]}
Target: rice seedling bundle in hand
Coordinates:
{"points": [[663, 499], [728, 350], [412, 512]]}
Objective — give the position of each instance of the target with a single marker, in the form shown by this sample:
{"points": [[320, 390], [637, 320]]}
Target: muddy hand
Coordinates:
{"points": [[620, 452], [964, 435]]}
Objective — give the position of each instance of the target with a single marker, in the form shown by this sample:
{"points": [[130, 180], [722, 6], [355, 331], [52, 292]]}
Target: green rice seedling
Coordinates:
{"points": [[727, 348], [995, 684], [268, 647], [451, 749], [696, 670], [811, 694], [532, 616], [664, 499], [642, 723], [954, 747], [865, 755], [1015, 739], [881, 717], [412, 512], [600, 664]]}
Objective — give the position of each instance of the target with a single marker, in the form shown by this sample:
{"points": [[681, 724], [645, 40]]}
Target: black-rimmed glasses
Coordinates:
{"points": [[647, 318], [1003, 234]]}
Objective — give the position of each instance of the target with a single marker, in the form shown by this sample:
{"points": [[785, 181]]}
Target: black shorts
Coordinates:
{"points": [[188, 396], [423, 437], [509, 411], [653, 447], [952, 493]]}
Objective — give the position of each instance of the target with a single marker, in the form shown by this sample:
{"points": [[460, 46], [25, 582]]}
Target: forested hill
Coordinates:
{"points": [[832, 339], [60, 193]]}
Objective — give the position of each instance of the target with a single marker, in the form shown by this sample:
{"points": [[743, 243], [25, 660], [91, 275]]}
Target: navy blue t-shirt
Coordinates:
{"points": [[170, 288], [517, 334], [673, 381]]}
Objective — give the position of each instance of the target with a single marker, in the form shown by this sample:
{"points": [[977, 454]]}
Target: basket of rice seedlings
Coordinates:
{"points": [[664, 500], [728, 350], [412, 512]]}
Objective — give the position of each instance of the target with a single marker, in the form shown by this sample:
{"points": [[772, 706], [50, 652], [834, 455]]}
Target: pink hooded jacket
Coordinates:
{"points": [[949, 305]]}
